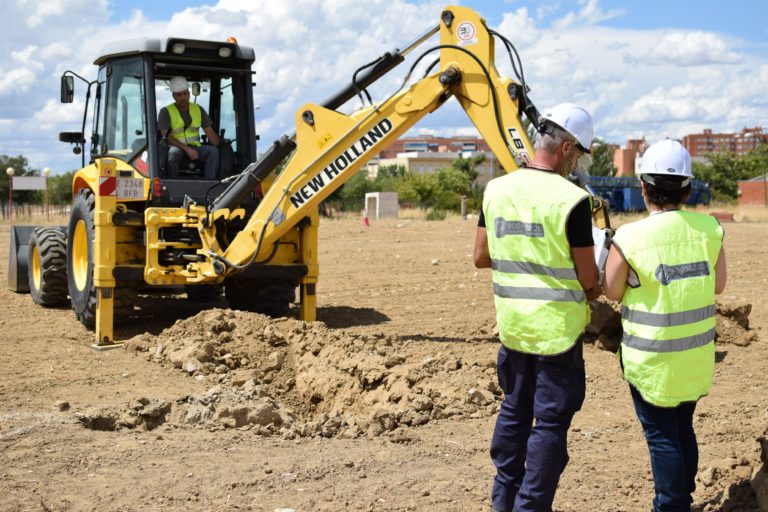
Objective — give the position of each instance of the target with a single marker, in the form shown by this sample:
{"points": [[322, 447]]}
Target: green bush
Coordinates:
{"points": [[436, 214]]}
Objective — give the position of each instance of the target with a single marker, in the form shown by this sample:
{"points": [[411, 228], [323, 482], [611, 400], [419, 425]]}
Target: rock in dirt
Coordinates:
{"points": [[141, 413]]}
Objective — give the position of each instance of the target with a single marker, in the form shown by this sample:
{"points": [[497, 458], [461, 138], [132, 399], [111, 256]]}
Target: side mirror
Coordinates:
{"points": [[72, 137], [195, 89], [67, 89]]}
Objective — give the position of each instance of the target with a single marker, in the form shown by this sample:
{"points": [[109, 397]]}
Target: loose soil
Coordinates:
{"points": [[387, 403]]}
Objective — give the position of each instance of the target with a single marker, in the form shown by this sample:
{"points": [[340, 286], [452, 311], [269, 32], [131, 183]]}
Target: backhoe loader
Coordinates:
{"points": [[254, 229]]}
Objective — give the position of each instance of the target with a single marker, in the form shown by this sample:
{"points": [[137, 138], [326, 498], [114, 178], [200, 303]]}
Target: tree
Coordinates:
{"points": [[468, 166], [354, 190], [425, 188], [602, 159], [60, 188], [21, 167], [724, 170]]}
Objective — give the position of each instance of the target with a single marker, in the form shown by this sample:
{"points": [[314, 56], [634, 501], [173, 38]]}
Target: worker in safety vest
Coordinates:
{"points": [[181, 122], [666, 269], [535, 232]]}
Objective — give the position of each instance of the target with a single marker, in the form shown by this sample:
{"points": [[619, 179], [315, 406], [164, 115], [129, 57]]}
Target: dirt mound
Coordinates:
{"points": [[732, 327], [287, 377], [298, 379]]}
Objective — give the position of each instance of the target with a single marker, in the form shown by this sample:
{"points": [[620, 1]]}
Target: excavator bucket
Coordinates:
{"points": [[18, 266]]}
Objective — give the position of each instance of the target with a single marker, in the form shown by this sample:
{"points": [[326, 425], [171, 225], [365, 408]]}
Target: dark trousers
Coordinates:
{"points": [[209, 156], [674, 452], [529, 458]]}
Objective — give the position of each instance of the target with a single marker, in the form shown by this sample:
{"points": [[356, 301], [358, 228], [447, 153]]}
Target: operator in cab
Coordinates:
{"points": [[665, 270], [535, 233], [181, 122]]}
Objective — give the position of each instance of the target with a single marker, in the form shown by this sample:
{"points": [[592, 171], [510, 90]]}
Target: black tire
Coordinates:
{"points": [[271, 298], [48, 266], [82, 292], [203, 292]]}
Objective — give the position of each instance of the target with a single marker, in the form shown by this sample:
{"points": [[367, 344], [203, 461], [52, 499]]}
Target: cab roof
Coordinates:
{"points": [[194, 49]]}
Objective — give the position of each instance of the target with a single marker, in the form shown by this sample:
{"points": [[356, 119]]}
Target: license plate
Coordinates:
{"points": [[130, 188]]}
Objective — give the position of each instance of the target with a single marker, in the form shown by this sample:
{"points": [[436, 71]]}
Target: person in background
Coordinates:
{"points": [[666, 269], [535, 233]]}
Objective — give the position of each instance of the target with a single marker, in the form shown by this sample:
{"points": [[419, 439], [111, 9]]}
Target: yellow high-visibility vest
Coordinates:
{"points": [[668, 350], [541, 307], [191, 135]]}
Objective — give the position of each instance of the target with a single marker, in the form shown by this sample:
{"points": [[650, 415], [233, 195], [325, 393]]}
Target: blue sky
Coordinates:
{"points": [[747, 19], [644, 69]]}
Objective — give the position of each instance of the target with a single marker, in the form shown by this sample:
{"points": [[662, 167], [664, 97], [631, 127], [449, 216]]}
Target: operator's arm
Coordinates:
{"points": [[482, 255], [579, 230], [720, 273], [207, 125], [616, 274], [213, 137]]}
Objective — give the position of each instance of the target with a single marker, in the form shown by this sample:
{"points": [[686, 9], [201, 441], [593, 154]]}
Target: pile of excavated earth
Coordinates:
{"points": [[294, 379]]}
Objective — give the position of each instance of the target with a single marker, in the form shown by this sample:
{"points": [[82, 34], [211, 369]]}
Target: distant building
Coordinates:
{"points": [[432, 144], [417, 162], [699, 144], [627, 159], [754, 191]]}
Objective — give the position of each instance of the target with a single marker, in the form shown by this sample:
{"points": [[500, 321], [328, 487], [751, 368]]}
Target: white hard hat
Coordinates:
{"points": [[575, 120], [179, 84], [667, 158]]}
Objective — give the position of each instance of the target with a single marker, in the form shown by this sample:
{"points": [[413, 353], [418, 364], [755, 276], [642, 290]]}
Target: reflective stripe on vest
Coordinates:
{"points": [[526, 267], [541, 307], [667, 349], [675, 345], [516, 292], [668, 319], [191, 135]]}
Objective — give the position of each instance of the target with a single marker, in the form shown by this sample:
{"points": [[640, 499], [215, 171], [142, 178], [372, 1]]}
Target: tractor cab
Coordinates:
{"points": [[131, 88]]}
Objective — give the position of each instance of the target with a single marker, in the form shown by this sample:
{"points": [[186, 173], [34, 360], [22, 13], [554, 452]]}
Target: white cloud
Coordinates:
{"points": [[692, 49], [519, 27], [590, 14]]}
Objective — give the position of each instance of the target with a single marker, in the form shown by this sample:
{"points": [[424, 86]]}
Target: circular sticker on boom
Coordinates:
{"points": [[466, 33]]}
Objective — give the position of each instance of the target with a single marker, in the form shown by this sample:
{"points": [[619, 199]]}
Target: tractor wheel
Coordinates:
{"points": [[82, 291], [203, 292], [271, 298], [48, 266]]}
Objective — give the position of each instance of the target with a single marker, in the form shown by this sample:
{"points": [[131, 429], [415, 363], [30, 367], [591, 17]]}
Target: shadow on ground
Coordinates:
{"points": [[341, 317]]}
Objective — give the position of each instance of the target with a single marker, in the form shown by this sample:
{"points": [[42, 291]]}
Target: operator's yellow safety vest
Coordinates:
{"points": [[541, 307], [668, 349], [191, 135]]}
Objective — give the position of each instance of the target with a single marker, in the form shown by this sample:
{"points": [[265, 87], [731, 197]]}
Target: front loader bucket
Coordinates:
{"points": [[18, 266]]}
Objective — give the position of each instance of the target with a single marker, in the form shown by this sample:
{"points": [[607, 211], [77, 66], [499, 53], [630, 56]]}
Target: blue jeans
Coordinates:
{"points": [[674, 452], [209, 156], [530, 458]]}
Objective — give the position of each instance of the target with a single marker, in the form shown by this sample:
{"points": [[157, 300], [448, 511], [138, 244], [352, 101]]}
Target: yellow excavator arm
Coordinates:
{"points": [[330, 147]]}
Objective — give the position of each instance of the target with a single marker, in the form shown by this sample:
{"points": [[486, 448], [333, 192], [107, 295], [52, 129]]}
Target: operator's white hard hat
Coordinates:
{"points": [[574, 120], [179, 84], [667, 158]]}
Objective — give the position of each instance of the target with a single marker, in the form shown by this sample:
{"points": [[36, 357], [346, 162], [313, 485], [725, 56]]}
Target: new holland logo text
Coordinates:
{"points": [[327, 175]]}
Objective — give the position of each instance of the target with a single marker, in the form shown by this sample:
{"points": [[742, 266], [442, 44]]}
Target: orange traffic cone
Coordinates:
{"points": [[365, 219]]}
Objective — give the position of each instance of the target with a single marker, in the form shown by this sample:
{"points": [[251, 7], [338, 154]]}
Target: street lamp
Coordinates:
{"points": [[10, 172], [46, 173]]}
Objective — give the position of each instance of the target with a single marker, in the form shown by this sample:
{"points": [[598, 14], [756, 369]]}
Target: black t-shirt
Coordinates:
{"points": [[579, 226]]}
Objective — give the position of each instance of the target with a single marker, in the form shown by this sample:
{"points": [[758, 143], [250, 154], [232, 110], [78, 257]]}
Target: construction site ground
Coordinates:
{"points": [[388, 404]]}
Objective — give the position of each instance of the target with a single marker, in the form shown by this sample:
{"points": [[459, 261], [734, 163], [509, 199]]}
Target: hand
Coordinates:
{"points": [[192, 153], [594, 292]]}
